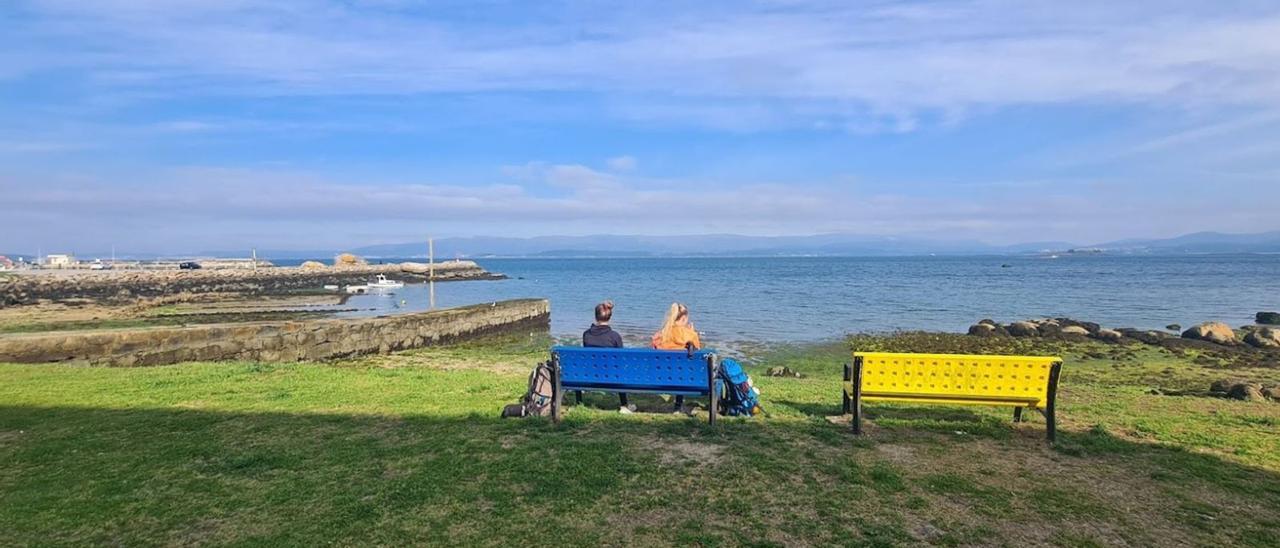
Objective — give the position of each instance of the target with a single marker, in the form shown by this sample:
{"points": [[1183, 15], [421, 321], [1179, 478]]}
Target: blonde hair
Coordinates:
{"points": [[674, 314]]}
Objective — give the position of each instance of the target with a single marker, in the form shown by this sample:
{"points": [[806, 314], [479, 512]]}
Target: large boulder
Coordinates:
{"points": [[982, 330], [349, 260], [1109, 335], [1268, 318], [1090, 326], [1272, 392], [415, 268], [1048, 328], [1147, 336], [1023, 329], [1221, 387], [1214, 332], [1246, 392], [1266, 337], [987, 330]]}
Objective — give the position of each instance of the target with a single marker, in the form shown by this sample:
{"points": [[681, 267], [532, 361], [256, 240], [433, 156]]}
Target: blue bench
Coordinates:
{"points": [[633, 370]]}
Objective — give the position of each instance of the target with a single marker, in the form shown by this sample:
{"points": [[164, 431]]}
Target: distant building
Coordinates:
{"points": [[60, 260]]}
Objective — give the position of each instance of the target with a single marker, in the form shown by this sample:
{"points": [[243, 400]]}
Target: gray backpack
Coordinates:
{"points": [[537, 400]]}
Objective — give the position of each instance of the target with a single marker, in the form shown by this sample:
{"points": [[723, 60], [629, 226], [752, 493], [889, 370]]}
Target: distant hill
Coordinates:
{"points": [[720, 245], [1200, 242], [712, 245], [699, 245]]}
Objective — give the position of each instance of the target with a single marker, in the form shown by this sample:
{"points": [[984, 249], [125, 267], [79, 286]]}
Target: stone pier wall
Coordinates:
{"points": [[126, 286], [277, 341]]}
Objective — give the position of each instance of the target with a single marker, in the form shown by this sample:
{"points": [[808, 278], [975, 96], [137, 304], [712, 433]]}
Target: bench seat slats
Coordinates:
{"points": [[906, 398], [634, 370], [953, 379]]}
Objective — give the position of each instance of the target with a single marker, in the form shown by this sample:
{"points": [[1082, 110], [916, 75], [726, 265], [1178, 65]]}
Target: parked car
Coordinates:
{"points": [[189, 265]]}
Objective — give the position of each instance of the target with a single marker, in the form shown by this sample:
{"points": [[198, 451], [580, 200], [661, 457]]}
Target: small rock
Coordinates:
{"points": [[986, 330], [927, 533], [1272, 392], [1148, 337], [1049, 328], [1223, 386], [1265, 337], [1109, 335], [1173, 327], [1268, 318], [1214, 332], [1246, 392], [1092, 327], [1023, 329], [1075, 330], [781, 372]]}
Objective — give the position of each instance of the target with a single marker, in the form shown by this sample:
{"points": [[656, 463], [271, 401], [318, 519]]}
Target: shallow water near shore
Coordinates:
{"points": [[780, 300]]}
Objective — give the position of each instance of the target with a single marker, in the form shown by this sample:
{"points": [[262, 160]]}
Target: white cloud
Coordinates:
{"points": [[805, 63]]}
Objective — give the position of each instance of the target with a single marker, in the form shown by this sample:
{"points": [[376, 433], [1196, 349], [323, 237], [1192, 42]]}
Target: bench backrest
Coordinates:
{"points": [[633, 369], [953, 378]]}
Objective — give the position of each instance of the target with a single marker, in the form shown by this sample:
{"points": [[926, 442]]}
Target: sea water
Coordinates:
{"points": [[808, 299]]}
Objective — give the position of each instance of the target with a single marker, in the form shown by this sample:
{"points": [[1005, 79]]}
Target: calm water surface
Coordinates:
{"points": [[806, 299]]}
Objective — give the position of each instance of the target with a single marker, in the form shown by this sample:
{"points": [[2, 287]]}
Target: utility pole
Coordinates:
{"points": [[431, 270], [255, 258]]}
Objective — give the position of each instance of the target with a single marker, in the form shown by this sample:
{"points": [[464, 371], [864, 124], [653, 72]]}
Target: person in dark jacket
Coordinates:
{"points": [[600, 335]]}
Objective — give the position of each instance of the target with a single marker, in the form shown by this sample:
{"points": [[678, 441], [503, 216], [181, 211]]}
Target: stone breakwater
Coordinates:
{"points": [[123, 286], [278, 341]]}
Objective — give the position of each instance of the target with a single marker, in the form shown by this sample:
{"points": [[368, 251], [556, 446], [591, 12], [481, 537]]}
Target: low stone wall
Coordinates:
{"points": [[124, 286], [277, 341]]}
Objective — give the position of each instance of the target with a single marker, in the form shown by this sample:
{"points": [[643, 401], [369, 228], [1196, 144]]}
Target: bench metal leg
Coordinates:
{"points": [[1017, 414], [846, 403], [1050, 411], [713, 405], [857, 396], [557, 394]]}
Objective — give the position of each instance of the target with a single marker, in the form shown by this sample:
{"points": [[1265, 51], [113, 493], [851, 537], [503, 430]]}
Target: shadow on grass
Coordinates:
{"points": [[174, 476]]}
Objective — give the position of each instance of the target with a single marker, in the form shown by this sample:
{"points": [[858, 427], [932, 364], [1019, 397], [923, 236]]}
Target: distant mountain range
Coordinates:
{"points": [[818, 245], [717, 245]]}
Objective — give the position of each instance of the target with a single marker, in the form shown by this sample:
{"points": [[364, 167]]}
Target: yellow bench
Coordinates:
{"points": [[1019, 382]]}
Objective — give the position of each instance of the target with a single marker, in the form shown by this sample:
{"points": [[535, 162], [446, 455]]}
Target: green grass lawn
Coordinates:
{"points": [[408, 449]]}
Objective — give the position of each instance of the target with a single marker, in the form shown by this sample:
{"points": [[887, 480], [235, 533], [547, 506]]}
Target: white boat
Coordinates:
{"points": [[383, 283]]}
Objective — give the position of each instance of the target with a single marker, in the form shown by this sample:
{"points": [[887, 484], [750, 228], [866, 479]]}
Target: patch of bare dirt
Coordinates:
{"points": [[676, 451]]}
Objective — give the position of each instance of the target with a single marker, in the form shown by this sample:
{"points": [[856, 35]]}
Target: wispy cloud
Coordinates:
{"points": [[181, 206], [822, 63]]}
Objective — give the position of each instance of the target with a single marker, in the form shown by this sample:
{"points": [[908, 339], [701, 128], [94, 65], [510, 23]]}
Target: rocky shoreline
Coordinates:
{"points": [[1214, 333], [1212, 344], [123, 287]]}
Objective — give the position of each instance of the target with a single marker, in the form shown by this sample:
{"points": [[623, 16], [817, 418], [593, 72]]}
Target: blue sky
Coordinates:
{"points": [[181, 125]]}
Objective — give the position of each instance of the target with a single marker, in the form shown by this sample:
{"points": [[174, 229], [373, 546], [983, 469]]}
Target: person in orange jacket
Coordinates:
{"points": [[676, 332]]}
